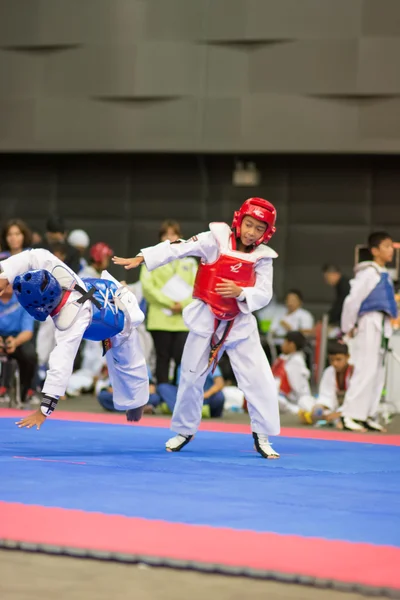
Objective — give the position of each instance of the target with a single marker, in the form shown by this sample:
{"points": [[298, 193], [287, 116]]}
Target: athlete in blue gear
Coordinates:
{"points": [[93, 309]]}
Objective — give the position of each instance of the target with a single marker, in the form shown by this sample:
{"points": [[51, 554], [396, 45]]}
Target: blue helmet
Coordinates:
{"points": [[38, 292]]}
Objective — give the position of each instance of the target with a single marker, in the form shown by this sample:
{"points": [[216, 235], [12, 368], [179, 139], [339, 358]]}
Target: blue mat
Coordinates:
{"points": [[332, 490]]}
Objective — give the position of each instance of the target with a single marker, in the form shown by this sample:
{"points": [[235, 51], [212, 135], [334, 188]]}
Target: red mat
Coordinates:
{"points": [[290, 432], [311, 557]]}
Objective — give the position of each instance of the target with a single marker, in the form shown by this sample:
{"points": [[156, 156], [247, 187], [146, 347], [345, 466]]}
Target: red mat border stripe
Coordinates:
{"points": [[358, 563], [289, 432]]}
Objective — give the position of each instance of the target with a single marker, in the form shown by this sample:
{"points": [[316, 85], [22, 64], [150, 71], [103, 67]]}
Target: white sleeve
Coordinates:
{"points": [[327, 389], [306, 320], [361, 286], [62, 358], [29, 260], [203, 245], [298, 376], [261, 294]]}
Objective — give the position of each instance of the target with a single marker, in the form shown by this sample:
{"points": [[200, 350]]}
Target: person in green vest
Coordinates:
{"points": [[167, 290]]}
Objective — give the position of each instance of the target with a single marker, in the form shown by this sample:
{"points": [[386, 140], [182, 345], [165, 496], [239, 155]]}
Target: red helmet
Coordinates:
{"points": [[259, 209], [100, 251]]}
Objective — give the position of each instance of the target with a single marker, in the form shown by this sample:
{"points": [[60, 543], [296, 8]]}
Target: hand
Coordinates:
{"points": [[3, 284], [11, 345], [37, 418], [176, 308], [228, 289], [128, 263], [285, 325]]}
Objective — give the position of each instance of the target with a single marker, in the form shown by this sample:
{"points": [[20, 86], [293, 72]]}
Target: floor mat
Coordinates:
{"points": [[327, 510]]}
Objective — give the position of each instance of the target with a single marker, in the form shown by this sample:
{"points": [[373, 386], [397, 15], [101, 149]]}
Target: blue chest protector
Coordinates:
{"points": [[107, 319], [381, 299]]}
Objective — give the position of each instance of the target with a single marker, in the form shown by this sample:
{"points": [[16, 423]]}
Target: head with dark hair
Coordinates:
{"points": [[294, 342], [59, 249], [332, 274], [16, 236], [338, 355], [55, 229], [293, 300], [170, 230], [380, 245]]}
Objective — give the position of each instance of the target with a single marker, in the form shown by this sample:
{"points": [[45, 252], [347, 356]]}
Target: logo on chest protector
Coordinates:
{"points": [[235, 268]]}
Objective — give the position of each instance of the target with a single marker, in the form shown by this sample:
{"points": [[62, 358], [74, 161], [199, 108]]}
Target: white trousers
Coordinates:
{"points": [[45, 341], [254, 379], [128, 374], [365, 388]]}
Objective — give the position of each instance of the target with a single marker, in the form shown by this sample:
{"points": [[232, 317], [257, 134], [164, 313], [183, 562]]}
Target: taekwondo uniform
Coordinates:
{"points": [[92, 309], [212, 319], [292, 379], [368, 309], [331, 391]]}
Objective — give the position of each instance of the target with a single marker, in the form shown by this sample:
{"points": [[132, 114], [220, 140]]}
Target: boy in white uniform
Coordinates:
{"points": [[234, 280], [292, 375], [334, 383], [96, 309], [366, 316]]}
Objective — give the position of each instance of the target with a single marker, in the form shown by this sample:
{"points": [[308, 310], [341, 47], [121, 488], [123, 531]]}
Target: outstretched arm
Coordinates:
{"points": [[28, 261], [204, 246]]}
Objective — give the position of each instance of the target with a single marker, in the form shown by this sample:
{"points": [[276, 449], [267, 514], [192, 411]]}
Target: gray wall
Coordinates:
{"points": [[326, 204], [200, 75]]}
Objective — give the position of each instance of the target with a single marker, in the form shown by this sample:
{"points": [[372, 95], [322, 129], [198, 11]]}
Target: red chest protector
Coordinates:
{"points": [[230, 264], [225, 267], [279, 372]]}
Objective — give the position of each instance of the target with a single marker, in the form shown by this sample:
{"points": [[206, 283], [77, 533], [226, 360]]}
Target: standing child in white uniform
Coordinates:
{"points": [[94, 309], [366, 316], [234, 280]]}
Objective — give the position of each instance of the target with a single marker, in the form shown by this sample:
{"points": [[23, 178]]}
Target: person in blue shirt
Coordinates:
{"points": [[16, 333], [213, 396], [104, 392]]}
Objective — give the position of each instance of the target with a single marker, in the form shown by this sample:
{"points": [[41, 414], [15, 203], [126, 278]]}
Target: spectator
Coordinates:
{"points": [[292, 376], [104, 392], [100, 255], [213, 395], [296, 318], [16, 333], [56, 232], [164, 312], [332, 388], [15, 237], [80, 240], [334, 277]]}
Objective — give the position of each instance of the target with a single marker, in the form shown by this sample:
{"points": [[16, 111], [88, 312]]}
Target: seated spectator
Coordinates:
{"points": [[100, 255], [292, 376], [332, 388], [213, 395], [296, 318], [79, 239], [334, 277], [15, 237], [104, 392], [16, 333]]}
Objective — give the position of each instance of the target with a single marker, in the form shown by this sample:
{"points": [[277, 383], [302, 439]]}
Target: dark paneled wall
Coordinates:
{"points": [[200, 75], [326, 204]]}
